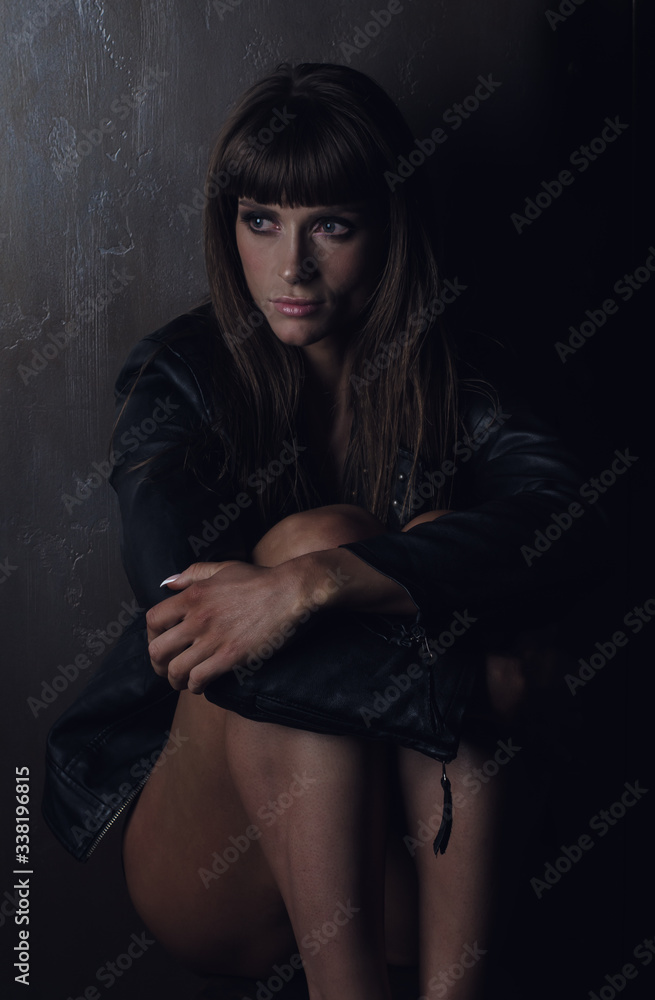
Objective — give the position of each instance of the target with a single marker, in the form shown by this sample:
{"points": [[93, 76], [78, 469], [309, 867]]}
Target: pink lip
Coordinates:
{"points": [[295, 306]]}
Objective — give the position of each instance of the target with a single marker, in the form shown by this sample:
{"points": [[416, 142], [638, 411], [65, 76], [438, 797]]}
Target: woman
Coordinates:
{"points": [[265, 492]]}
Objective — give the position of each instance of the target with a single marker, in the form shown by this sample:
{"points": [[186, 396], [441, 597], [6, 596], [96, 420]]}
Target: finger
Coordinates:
{"points": [[194, 658], [196, 571], [153, 631], [166, 614], [164, 649], [210, 666], [200, 676]]}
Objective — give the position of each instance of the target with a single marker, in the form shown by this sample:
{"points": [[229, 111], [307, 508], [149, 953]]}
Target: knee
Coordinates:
{"points": [[256, 751], [313, 530], [428, 515], [505, 685]]}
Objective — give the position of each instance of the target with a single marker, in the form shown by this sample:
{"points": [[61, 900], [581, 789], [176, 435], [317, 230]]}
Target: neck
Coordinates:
{"points": [[327, 369]]}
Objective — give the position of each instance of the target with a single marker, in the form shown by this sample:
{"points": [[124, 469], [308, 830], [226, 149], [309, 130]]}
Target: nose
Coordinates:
{"points": [[296, 261]]}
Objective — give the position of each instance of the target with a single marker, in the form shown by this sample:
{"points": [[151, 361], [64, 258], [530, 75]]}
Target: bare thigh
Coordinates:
{"points": [[196, 872]]}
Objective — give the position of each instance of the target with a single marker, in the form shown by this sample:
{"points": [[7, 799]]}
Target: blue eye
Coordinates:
{"points": [[254, 222], [346, 227]]}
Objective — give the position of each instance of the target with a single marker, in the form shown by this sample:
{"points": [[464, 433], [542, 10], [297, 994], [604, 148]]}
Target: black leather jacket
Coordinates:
{"points": [[514, 553]]}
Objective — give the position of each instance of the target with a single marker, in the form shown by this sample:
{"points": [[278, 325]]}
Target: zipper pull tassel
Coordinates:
{"points": [[443, 834]]}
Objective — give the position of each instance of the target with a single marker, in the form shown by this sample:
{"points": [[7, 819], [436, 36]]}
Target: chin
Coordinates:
{"points": [[298, 337]]}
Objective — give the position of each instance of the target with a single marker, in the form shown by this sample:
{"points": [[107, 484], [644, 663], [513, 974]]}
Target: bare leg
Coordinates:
{"points": [[319, 865], [328, 876], [195, 874], [458, 890], [327, 851]]}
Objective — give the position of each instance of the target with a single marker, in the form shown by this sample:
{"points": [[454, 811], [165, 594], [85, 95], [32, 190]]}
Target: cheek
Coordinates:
{"points": [[371, 253], [361, 268]]}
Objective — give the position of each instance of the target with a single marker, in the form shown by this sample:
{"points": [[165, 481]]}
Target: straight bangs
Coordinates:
{"points": [[314, 157], [327, 135]]}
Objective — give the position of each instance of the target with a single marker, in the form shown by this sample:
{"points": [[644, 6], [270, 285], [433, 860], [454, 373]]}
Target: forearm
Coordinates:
{"points": [[349, 582]]}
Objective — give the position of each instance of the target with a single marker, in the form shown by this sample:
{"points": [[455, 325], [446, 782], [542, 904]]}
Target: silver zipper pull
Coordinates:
{"points": [[419, 636]]}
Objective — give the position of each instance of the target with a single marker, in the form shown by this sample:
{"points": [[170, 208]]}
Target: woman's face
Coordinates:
{"points": [[310, 270]]}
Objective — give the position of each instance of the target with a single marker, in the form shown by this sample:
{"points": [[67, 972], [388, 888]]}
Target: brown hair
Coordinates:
{"points": [[342, 134], [340, 140]]}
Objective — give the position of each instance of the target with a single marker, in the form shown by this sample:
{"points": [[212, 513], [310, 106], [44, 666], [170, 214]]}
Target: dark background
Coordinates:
{"points": [[63, 231]]}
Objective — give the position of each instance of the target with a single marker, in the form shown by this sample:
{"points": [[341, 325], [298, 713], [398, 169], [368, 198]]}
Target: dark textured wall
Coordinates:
{"points": [[109, 111]]}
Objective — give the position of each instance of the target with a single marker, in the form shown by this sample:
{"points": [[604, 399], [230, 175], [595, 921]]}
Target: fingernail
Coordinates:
{"points": [[169, 579]]}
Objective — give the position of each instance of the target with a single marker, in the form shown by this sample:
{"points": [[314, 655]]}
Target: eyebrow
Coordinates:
{"points": [[355, 208]]}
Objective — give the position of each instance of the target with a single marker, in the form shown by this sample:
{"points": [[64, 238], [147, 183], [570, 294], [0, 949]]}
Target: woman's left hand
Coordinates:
{"points": [[224, 612]]}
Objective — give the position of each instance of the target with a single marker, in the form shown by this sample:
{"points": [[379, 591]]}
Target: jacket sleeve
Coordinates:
{"points": [[523, 538], [166, 512]]}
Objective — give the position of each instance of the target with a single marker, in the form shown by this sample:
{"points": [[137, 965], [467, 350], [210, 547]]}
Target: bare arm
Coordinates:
{"points": [[224, 611]]}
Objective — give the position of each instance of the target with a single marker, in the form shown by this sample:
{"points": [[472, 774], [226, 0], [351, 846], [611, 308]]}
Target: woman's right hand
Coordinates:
{"points": [[224, 613]]}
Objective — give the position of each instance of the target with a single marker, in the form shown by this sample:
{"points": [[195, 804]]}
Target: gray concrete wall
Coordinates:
{"points": [[105, 243]]}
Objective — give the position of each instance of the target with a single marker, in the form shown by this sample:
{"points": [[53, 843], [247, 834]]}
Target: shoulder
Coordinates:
{"points": [[182, 354]]}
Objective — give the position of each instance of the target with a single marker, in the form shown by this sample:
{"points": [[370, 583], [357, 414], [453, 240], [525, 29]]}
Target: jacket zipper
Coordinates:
{"points": [[133, 794], [416, 635]]}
